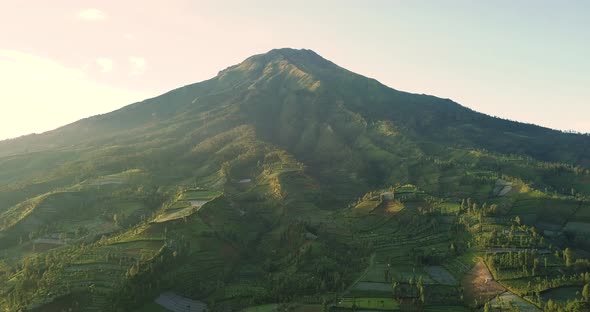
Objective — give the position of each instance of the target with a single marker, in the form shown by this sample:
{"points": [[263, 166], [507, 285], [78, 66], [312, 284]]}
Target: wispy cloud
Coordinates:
{"points": [[105, 64], [138, 65], [91, 15]]}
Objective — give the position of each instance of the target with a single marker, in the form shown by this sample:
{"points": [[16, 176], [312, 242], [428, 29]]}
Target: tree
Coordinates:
{"points": [[568, 255], [325, 307], [395, 286], [421, 292], [550, 305], [535, 266], [586, 292], [486, 307], [545, 263]]}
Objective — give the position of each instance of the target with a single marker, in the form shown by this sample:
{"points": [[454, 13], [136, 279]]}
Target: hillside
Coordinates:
{"points": [[277, 182]]}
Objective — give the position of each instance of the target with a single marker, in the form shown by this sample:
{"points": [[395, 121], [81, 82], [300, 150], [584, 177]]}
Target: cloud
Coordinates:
{"points": [[138, 65], [91, 15], [39, 94], [105, 64]]}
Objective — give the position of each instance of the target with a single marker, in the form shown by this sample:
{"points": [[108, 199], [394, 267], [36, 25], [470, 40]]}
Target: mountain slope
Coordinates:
{"points": [[242, 182], [302, 71], [300, 101]]}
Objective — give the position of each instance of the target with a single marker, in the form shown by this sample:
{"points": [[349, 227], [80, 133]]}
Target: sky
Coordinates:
{"points": [[63, 60]]}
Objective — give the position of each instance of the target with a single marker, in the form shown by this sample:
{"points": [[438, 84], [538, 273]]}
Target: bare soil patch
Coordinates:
{"points": [[480, 286]]}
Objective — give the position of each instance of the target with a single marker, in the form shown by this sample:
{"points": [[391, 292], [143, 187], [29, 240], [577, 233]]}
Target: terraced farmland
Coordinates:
{"points": [[189, 202]]}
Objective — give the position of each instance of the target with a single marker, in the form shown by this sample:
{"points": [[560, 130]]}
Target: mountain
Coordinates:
{"points": [[244, 188]]}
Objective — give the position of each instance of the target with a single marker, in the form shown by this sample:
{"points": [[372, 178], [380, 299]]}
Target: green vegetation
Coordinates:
{"points": [[289, 183], [386, 304]]}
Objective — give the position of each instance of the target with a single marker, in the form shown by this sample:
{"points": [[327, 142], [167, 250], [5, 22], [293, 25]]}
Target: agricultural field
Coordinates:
{"points": [[366, 206], [295, 307], [178, 211], [409, 254], [152, 307], [412, 249], [480, 286], [443, 308], [583, 213], [432, 264], [507, 301], [176, 303], [577, 227], [562, 294], [440, 275], [418, 254], [262, 308], [372, 287], [189, 202], [124, 177], [379, 304], [199, 194]]}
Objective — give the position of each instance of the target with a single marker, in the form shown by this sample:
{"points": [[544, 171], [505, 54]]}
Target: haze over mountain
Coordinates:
{"points": [[273, 153], [305, 72], [503, 60]]}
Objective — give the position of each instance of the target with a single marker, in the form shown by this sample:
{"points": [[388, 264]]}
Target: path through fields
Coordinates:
{"points": [[371, 261]]}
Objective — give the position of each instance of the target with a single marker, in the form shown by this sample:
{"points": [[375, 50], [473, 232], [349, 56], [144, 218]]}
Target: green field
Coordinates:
{"points": [[262, 308], [562, 294], [199, 195], [385, 304]]}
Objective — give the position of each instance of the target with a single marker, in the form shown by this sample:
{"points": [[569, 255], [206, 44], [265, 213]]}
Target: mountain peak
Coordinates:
{"points": [[300, 57], [296, 54], [304, 59], [301, 69], [292, 51]]}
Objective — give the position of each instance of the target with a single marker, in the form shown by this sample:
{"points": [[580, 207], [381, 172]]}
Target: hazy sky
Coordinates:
{"points": [[64, 60]]}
